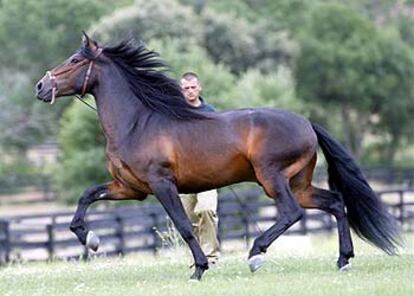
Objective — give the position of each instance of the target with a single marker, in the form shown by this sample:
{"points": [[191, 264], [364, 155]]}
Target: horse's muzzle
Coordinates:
{"points": [[43, 90]]}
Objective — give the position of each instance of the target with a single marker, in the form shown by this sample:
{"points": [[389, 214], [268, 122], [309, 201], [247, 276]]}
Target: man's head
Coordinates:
{"points": [[191, 88]]}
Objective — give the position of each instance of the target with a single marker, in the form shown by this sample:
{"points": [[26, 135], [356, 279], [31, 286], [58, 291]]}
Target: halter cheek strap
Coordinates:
{"points": [[86, 80], [88, 73]]}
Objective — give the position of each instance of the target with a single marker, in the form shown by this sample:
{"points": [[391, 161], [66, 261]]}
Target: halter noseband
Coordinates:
{"points": [[52, 77]]}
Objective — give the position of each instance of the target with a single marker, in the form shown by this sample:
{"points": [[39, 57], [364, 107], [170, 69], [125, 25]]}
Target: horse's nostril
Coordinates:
{"points": [[39, 86]]}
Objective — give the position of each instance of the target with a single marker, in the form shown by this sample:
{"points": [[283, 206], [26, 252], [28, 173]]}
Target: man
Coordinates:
{"points": [[201, 208], [191, 88]]}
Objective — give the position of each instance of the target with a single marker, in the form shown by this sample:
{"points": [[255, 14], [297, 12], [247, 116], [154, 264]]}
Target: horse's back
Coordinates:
{"points": [[273, 125], [274, 135]]}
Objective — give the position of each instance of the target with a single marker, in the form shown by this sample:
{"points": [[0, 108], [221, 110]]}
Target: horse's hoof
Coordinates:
{"points": [[346, 267], [198, 274], [256, 262], [92, 241]]}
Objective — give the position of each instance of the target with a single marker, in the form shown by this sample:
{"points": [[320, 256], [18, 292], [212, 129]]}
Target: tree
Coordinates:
{"points": [[243, 46], [37, 34], [34, 36], [255, 89], [228, 40], [281, 14], [148, 20], [345, 62], [395, 102], [82, 162]]}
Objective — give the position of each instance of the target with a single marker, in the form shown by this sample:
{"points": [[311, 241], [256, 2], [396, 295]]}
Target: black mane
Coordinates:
{"points": [[144, 71]]}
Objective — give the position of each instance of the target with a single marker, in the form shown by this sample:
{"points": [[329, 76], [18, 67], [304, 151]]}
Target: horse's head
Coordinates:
{"points": [[73, 76]]}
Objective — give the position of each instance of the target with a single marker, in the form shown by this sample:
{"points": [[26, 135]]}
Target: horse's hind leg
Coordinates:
{"points": [[332, 203], [288, 213]]}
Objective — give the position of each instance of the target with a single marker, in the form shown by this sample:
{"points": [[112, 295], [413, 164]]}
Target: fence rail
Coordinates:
{"points": [[30, 188], [138, 228]]}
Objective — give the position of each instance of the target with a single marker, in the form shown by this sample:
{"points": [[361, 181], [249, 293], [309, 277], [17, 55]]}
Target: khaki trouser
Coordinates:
{"points": [[201, 209]]}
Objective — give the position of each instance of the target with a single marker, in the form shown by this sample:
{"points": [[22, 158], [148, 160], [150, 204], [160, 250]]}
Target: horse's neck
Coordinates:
{"points": [[118, 109]]}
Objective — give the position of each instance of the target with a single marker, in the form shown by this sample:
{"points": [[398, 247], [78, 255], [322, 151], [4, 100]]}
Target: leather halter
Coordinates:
{"points": [[52, 77]]}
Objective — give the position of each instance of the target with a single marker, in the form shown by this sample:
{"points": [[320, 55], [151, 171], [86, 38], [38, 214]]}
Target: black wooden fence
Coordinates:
{"points": [[243, 216], [13, 187]]}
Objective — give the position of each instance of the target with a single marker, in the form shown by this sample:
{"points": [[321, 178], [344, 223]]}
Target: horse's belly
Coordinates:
{"points": [[209, 175]]}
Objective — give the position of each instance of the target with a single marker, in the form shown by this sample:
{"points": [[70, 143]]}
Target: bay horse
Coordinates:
{"points": [[158, 144]]}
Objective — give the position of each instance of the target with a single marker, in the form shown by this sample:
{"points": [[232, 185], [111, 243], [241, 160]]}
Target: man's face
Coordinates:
{"points": [[191, 89]]}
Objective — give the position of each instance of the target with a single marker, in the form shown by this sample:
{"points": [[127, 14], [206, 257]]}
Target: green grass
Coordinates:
{"points": [[287, 272]]}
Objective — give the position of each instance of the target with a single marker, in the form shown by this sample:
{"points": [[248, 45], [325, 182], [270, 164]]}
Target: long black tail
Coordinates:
{"points": [[367, 215]]}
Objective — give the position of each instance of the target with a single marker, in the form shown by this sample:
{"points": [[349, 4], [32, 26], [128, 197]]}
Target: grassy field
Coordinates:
{"points": [[290, 270]]}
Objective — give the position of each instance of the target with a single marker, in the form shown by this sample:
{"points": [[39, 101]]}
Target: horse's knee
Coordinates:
{"points": [[73, 227], [291, 210], [88, 192]]}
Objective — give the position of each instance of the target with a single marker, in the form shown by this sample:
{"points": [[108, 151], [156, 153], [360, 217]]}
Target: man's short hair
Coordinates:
{"points": [[189, 76]]}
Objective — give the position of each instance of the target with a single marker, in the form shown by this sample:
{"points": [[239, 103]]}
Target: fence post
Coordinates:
{"points": [[5, 242], [120, 234], [51, 240], [245, 222], [220, 225], [401, 206]]}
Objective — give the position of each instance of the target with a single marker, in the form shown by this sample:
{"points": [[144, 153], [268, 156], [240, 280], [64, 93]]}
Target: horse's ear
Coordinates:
{"points": [[85, 39], [88, 42]]}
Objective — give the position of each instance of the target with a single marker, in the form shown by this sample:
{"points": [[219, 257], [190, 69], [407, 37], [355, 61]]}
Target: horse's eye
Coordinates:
{"points": [[74, 60]]}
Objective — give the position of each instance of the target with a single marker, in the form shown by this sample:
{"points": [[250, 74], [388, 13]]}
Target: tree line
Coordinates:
{"points": [[348, 65]]}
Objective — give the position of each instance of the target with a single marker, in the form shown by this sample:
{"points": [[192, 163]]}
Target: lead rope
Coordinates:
{"points": [[86, 103]]}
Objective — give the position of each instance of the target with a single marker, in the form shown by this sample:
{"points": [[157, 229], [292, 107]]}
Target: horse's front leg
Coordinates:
{"points": [[166, 192], [109, 191]]}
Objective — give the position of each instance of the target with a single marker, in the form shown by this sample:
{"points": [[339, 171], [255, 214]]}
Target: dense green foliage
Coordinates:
{"points": [[360, 71], [34, 35], [82, 162], [346, 64]]}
